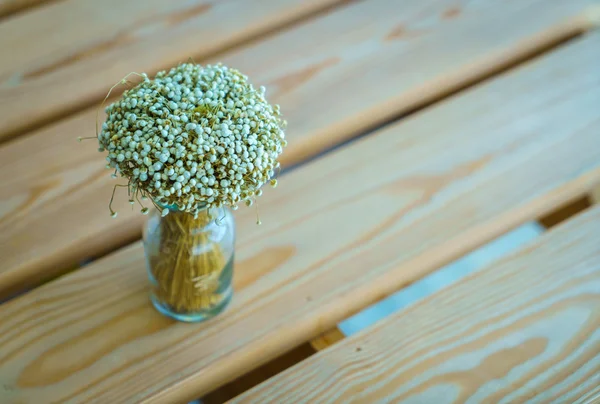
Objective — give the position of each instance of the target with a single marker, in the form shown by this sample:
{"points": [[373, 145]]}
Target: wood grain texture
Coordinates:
{"points": [[50, 38], [8, 7], [526, 328], [324, 251], [60, 67], [71, 192], [365, 35]]}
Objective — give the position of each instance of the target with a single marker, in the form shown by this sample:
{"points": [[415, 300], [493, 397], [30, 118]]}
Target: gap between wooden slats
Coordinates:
{"points": [[561, 214], [327, 253], [42, 193], [525, 328]]}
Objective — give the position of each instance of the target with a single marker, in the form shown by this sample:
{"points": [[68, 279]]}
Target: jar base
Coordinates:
{"points": [[195, 317]]}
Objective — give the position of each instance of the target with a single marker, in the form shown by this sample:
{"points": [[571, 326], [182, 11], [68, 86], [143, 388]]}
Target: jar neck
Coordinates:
{"points": [[205, 214], [175, 209]]}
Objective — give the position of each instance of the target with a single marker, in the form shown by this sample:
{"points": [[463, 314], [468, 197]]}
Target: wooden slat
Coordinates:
{"points": [[71, 192], [8, 7], [62, 89], [334, 335], [338, 234], [72, 31], [60, 67], [396, 61], [565, 212], [523, 329]]}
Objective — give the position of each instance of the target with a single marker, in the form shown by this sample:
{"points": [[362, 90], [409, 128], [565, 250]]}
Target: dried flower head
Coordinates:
{"points": [[194, 137]]}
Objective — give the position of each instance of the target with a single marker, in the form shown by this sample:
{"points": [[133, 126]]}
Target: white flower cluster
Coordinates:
{"points": [[195, 137]]}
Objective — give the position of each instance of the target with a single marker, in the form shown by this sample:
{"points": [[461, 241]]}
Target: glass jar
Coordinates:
{"points": [[190, 262]]}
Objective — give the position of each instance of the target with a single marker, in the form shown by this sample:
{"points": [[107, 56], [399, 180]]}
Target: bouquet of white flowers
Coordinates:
{"points": [[195, 141]]}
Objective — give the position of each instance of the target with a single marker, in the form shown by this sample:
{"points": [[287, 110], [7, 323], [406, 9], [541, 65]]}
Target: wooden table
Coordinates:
{"points": [[470, 118]]}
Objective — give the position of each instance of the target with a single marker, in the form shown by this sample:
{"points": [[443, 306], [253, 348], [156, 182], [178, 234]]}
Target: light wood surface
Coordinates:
{"points": [[75, 68], [410, 37], [525, 328], [557, 216], [595, 195], [444, 182], [71, 192], [8, 7], [68, 32], [396, 62]]}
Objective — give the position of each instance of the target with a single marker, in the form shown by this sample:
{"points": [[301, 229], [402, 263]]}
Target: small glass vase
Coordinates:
{"points": [[190, 262]]}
